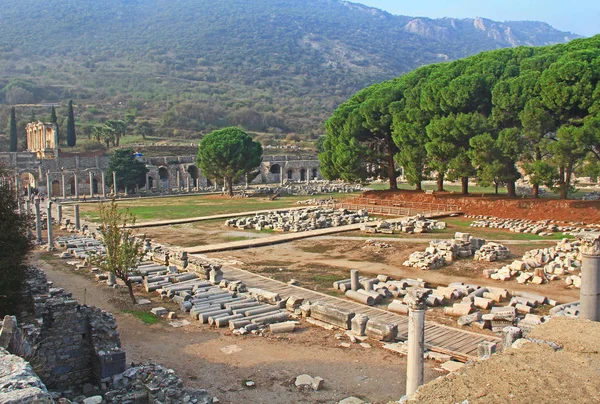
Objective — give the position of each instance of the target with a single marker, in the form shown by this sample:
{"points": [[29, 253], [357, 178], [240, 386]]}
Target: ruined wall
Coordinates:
{"points": [[64, 171], [73, 344]]}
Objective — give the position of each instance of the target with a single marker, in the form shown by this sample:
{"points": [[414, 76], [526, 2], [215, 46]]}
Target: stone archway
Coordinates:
{"points": [[290, 175], [55, 188], [303, 174], [95, 186], [27, 180], [150, 182], [315, 174], [276, 171], [194, 173], [71, 184], [163, 174]]}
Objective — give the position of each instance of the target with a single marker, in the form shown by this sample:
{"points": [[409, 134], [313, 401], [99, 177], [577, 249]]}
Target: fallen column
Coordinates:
{"points": [[360, 297]]}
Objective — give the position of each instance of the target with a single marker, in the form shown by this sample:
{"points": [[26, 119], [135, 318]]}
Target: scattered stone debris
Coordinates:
{"points": [[542, 265], [543, 228], [306, 381], [591, 196], [298, 220], [492, 252], [376, 244], [442, 252], [413, 225]]}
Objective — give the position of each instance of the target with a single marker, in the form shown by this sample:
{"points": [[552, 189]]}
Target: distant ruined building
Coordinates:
{"points": [[58, 174]]}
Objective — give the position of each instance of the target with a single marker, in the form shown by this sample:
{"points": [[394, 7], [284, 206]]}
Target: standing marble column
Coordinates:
{"points": [[38, 220], [49, 227], [64, 189], [27, 208], [103, 185], [114, 175], [48, 185], [178, 181], [415, 369], [91, 184], [76, 185], [77, 220], [354, 285], [589, 294], [59, 213], [281, 176], [187, 183]]}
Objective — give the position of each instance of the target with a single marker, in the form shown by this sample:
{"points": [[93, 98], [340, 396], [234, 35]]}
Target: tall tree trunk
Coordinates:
{"points": [[465, 185], [440, 182], [391, 162], [536, 187], [511, 188], [419, 186], [230, 186], [130, 289], [563, 186], [496, 186]]}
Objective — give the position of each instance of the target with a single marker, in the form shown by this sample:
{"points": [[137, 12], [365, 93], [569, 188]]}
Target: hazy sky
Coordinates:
{"points": [[578, 16]]}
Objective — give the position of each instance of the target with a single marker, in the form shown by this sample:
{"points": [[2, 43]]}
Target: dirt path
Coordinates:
{"points": [[195, 353]]}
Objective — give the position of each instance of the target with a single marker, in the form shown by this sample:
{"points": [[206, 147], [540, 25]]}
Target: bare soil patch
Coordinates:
{"points": [[502, 206]]}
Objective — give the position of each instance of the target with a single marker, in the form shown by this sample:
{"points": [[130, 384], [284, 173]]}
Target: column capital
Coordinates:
{"points": [[590, 243], [415, 298]]}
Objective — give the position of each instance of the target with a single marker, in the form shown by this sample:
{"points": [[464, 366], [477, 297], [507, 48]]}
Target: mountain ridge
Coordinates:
{"points": [[192, 66]]}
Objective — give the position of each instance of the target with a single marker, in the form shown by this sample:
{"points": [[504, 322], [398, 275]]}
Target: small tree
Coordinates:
{"points": [[144, 129], [123, 249], [71, 137], [129, 171], [13, 130], [54, 120], [230, 154]]}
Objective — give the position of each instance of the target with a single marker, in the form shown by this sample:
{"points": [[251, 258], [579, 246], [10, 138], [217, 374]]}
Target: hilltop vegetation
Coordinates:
{"points": [[489, 116], [190, 66]]}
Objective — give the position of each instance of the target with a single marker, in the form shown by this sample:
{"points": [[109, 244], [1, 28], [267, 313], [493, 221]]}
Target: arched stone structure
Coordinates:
{"points": [[194, 173]]}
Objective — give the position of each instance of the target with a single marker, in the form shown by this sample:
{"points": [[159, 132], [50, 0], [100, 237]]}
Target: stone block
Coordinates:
{"points": [[381, 331], [332, 315], [359, 324]]}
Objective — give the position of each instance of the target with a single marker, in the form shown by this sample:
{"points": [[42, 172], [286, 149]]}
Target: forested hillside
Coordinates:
{"points": [[189, 66]]}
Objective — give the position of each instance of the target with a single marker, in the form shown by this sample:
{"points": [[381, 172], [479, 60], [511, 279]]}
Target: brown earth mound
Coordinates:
{"points": [[534, 373], [499, 206]]}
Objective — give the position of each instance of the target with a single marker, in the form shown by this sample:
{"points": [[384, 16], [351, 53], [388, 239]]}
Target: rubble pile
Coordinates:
{"points": [[152, 383], [491, 252], [376, 244], [441, 252], [413, 225], [591, 196], [299, 220], [542, 228], [483, 307], [312, 188], [545, 264]]}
